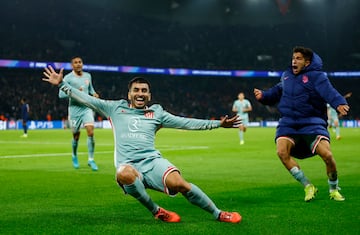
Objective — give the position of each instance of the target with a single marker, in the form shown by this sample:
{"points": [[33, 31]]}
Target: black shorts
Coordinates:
{"points": [[304, 145]]}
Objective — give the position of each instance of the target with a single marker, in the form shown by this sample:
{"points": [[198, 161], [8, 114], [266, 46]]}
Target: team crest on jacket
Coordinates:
{"points": [[149, 114], [305, 79]]}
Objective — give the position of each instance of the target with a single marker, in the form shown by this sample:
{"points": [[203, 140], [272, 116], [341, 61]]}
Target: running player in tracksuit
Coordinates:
{"points": [[302, 95]]}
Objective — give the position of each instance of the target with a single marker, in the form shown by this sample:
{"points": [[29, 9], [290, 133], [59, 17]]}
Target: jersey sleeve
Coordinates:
{"points": [[248, 104], [91, 87], [234, 107], [104, 107], [272, 96], [61, 93], [328, 92], [169, 120]]}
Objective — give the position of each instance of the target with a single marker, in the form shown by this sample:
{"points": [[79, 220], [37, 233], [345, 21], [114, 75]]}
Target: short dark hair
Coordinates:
{"points": [[138, 80], [306, 52], [75, 56]]}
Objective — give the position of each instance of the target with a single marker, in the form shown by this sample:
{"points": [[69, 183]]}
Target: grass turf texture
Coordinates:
{"points": [[41, 193]]}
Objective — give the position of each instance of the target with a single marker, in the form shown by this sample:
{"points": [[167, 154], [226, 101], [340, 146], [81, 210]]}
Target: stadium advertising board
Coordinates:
{"points": [[13, 125]]}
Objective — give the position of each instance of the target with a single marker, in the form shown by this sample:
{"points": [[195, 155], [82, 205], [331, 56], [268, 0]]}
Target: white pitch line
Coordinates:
{"points": [[167, 148], [44, 143], [47, 155]]}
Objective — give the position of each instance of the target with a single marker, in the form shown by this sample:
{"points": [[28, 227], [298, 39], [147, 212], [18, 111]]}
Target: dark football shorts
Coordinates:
{"points": [[304, 145]]}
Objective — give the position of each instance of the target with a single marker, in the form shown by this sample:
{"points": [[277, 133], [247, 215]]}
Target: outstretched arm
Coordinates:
{"points": [[270, 96], [102, 106]]}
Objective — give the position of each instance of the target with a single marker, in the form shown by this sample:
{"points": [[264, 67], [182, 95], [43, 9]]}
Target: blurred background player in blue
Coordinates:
{"points": [[242, 107], [302, 132], [25, 109], [79, 114]]}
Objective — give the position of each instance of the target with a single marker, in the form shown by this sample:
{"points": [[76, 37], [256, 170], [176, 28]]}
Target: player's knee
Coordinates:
{"points": [[76, 136], [178, 184], [125, 175], [90, 132], [283, 154], [181, 188]]}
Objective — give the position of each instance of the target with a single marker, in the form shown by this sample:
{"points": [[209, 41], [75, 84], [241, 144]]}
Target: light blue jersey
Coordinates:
{"points": [[84, 84], [332, 114], [79, 114], [240, 105], [134, 129], [333, 120]]}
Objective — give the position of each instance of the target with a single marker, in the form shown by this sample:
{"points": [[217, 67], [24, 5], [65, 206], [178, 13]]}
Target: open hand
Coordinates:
{"points": [[343, 109], [52, 76], [230, 122]]}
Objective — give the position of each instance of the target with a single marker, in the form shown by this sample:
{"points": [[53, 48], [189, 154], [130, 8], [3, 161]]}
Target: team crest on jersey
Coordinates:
{"points": [[87, 82], [305, 79], [149, 114]]}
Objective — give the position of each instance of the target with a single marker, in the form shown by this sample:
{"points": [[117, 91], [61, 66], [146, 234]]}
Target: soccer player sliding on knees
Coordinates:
{"points": [[138, 164]]}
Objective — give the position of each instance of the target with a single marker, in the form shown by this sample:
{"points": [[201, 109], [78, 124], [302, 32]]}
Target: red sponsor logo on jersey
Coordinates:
{"points": [[149, 114], [305, 79]]}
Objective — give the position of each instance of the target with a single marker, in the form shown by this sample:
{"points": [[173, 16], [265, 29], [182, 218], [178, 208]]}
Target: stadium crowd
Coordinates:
{"points": [[138, 40], [212, 97], [103, 36]]}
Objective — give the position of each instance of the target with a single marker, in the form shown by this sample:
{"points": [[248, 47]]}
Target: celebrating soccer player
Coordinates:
{"points": [[80, 114], [138, 164], [302, 132], [242, 107]]}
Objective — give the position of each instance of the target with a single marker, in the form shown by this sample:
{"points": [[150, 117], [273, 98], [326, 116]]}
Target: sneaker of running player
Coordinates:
{"points": [[92, 164], [336, 196], [75, 162], [310, 192]]}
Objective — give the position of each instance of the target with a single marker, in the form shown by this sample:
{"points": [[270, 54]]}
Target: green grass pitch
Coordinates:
{"points": [[41, 193]]}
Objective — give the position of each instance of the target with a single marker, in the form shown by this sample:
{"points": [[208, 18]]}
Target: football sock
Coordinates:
{"points": [[200, 199], [91, 147], [333, 180], [241, 135], [337, 131], [25, 129], [74, 147], [138, 191], [298, 174], [333, 185]]}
